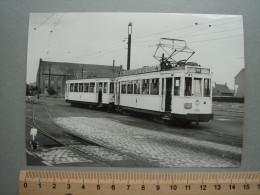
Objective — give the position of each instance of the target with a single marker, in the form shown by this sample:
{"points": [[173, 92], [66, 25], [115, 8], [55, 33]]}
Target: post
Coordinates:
{"points": [[49, 83], [113, 68], [82, 71], [129, 45], [39, 79]]}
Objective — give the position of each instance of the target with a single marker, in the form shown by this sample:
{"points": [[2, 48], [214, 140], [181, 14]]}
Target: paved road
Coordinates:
{"points": [[217, 143]]}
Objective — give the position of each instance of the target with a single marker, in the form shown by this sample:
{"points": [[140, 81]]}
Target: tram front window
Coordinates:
{"points": [[197, 87], [206, 87], [188, 84]]}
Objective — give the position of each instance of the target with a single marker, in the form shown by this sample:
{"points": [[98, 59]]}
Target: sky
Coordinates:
{"points": [[100, 38]]}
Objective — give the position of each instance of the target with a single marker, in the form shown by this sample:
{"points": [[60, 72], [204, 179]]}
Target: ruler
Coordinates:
{"points": [[99, 183]]}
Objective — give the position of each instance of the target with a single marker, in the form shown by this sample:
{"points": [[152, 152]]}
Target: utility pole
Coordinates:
{"points": [[82, 71], [39, 79], [113, 68], [129, 45], [49, 83]]}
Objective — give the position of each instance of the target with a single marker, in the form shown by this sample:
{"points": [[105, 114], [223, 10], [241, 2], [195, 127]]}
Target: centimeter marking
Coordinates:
{"points": [[95, 183]]}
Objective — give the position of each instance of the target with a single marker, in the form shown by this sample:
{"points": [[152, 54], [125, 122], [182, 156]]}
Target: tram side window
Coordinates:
{"points": [[206, 87], [145, 86], [91, 87], [86, 86], [154, 86], [105, 88], [177, 83], [137, 87], [123, 88], [129, 87], [111, 88], [71, 87], [188, 83], [81, 87], [197, 91], [76, 87]]}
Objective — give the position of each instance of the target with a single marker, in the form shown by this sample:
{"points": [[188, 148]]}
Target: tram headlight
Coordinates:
{"points": [[188, 105]]}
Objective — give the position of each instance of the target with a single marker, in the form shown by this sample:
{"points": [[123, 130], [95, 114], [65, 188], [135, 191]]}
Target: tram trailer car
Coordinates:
{"points": [[182, 93], [97, 92]]}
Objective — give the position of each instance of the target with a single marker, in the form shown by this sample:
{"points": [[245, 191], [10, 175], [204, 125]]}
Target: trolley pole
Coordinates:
{"points": [[129, 45]]}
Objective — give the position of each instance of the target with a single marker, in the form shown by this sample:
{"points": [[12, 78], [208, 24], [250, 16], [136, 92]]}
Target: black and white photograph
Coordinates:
{"points": [[141, 90]]}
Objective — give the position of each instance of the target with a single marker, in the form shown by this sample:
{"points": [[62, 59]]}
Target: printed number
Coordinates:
{"points": [[218, 187], [143, 187], [203, 187], [83, 186], [25, 185], [113, 187], [68, 186], [158, 187], [232, 187], [128, 187], [173, 187], [98, 187], [246, 187], [40, 185], [54, 186], [187, 187]]}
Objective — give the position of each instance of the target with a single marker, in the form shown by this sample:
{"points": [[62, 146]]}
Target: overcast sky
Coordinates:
{"points": [[100, 38]]}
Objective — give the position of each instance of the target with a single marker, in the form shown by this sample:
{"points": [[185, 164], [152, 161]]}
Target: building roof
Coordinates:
{"points": [[221, 88], [75, 70]]}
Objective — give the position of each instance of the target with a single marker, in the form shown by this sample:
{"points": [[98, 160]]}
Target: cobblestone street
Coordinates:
{"points": [[130, 141]]}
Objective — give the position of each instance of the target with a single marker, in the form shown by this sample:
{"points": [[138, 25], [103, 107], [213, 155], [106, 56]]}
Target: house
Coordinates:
{"points": [[240, 83], [221, 90]]}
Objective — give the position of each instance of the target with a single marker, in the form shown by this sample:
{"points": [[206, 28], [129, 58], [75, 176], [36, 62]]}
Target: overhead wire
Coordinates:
{"points": [[43, 21]]}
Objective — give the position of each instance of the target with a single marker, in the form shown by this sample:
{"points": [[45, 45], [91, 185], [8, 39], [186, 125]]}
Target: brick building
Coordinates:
{"points": [[55, 74]]}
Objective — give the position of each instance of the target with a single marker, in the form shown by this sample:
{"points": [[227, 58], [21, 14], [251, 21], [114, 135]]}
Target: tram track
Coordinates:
{"points": [[71, 140]]}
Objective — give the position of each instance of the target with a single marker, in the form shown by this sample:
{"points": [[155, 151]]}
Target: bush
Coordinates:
{"points": [[51, 91]]}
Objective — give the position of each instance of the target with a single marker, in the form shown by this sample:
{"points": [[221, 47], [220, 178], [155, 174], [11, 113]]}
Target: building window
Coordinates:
{"points": [[91, 87], [59, 84], [46, 83], [197, 87], [188, 83], [154, 86], [206, 87], [145, 86], [105, 88], [81, 87], [111, 88], [123, 87], [71, 87], [177, 83], [86, 86], [76, 87], [52, 82], [130, 87], [137, 87]]}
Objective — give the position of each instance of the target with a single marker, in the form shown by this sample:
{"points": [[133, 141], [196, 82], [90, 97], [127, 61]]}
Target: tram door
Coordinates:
{"points": [[100, 93], [168, 95]]}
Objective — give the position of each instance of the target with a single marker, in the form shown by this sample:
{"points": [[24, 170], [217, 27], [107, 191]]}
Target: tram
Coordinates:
{"points": [[173, 90]]}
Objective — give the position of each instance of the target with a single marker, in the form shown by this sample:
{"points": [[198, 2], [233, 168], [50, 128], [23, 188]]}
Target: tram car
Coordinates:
{"points": [[182, 92], [98, 92], [173, 90]]}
